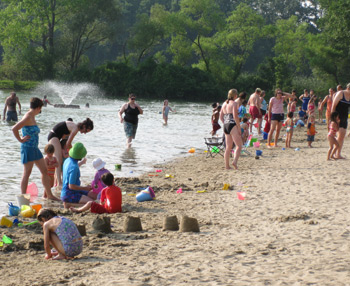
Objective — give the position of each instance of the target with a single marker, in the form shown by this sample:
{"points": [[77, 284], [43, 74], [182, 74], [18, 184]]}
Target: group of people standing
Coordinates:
{"points": [[337, 102]]}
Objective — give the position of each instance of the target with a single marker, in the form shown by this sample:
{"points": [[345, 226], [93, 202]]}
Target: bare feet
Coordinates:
{"points": [[235, 166], [60, 257]]}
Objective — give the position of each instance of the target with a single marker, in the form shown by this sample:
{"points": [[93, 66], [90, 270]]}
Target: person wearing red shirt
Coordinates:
{"points": [[111, 199]]}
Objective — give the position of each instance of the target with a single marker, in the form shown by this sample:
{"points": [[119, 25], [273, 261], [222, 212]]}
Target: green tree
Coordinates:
{"points": [[88, 23], [243, 28], [290, 47]]}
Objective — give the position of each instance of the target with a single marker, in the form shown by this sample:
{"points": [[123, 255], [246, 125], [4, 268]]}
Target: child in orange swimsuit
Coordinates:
{"points": [[51, 162], [333, 142]]}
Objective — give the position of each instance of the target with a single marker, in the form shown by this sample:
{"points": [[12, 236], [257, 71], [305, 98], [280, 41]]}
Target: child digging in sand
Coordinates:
{"points": [[333, 128], [289, 128], [61, 233], [111, 199]]}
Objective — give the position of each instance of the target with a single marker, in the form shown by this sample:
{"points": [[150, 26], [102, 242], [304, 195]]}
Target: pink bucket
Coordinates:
{"points": [[256, 144], [32, 190]]}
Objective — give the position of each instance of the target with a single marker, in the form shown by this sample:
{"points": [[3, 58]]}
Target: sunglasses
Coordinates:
{"points": [[133, 98]]}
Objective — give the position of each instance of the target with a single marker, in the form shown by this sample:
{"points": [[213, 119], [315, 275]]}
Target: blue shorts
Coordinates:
{"points": [[130, 129], [29, 154], [70, 196], [277, 116], [11, 115], [311, 138]]}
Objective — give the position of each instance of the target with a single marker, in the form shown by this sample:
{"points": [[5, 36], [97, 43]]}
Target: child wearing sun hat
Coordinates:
{"points": [[72, 192], [97, 184]]}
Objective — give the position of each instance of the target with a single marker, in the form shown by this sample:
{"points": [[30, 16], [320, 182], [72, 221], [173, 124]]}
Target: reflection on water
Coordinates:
{"points": [[129, 157], [154, 143]]}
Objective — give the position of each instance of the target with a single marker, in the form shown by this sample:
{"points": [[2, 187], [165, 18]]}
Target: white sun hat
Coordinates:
{"points": [[98, 163]]}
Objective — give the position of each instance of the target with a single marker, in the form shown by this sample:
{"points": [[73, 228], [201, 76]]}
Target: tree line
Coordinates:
{"points": [[179, 49]]}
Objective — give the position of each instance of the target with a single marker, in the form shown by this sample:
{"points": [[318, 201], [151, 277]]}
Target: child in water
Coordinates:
{"points": [[333, 142], [289, 128], [215, 120], [311, 130], [166, 109], [61, 233], [51, 162], [111, 199], [97, 184]]}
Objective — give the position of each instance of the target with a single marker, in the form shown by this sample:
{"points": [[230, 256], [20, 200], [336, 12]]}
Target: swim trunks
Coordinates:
{"points": [[11, 115], [263, 112], [229, 123], [254, 112], [216, 126], [130, 129], [311, 138], [277, 116]]}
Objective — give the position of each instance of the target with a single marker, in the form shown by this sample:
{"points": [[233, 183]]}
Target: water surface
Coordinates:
{"points": [[155, 143]]}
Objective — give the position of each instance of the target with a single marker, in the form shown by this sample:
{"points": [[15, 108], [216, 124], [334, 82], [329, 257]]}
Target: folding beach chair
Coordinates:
{"points": [[246, 145], [215, 145]]}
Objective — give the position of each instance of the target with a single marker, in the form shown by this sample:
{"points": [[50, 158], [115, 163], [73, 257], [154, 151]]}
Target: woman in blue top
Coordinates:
{"points": [[30, 153], [130, 120], [305, 97]]}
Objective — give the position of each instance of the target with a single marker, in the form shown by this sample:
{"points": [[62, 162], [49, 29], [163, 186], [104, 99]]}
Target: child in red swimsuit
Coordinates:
{"points": [[51, 162], [111, 198]]}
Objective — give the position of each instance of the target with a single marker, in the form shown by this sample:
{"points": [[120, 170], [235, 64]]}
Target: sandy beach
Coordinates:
{"points": [[292, 228]]}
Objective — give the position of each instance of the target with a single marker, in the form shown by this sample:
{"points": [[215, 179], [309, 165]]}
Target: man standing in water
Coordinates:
{"points": [[10, 104]]}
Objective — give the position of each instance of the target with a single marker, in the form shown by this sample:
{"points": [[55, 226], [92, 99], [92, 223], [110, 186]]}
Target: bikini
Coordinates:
{"points": [[229, 123], [332, 132]]}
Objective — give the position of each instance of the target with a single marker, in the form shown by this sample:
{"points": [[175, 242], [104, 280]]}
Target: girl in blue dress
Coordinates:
{"points": [[30, 153]]}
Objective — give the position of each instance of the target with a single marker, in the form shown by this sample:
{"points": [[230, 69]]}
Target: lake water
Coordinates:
{"points": [[154, 143]]}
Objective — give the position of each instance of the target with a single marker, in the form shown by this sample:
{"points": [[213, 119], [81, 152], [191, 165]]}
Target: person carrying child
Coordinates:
{"points": [[215, 118], [97, 184], [311, 130], [62, 234], [111, 199], [289, 128], [51, 162], [333, 129]]}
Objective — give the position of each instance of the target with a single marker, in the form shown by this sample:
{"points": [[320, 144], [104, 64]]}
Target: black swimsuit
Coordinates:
{"points": [[131, 114], [58, 131], [343, 110], [229, 123]]}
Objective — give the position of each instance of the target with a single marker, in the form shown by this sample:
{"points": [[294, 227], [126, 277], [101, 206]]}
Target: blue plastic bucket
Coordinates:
{"points": [[258, 152], [145, 195], [265, 135], [13, 210]]}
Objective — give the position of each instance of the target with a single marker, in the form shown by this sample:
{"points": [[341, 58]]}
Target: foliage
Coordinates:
{"points": [[18, 85]]}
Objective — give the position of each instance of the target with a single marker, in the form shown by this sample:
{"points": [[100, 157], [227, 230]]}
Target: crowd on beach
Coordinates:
{"points": [[60, 167], [238, 122]]}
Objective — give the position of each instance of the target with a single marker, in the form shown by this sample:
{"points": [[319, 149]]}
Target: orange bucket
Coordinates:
{"points": [[37, 208]]}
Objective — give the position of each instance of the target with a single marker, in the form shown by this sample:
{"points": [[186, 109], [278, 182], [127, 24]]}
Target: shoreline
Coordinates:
{"points": [[291, 229]]}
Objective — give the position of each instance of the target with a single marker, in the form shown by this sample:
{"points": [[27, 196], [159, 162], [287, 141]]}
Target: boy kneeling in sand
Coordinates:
{"points": [[111, 199]]}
